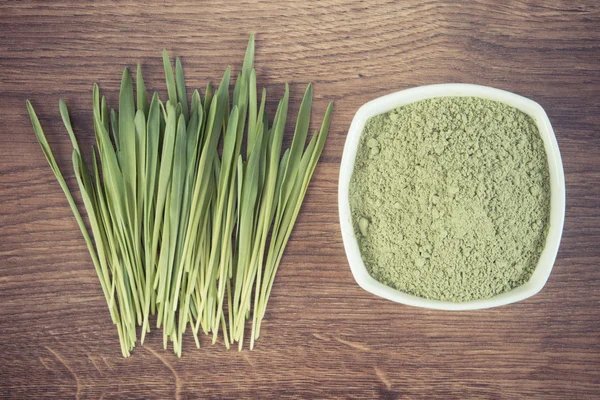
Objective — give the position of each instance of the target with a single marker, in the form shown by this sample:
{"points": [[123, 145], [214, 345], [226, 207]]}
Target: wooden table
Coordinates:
{"points": [[323, 336]]}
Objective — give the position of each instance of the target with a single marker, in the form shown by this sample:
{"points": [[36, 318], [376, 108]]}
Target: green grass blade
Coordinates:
{"points": [[249, 56], [169, 77], [176, 193], [142, 96], [196, 102], [208, 96], [114, 126], [181, 90], [64, 113], [153, 126], [127, 141], [164, 180]]}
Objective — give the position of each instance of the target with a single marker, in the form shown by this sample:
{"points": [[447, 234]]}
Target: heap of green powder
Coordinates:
{"points": [[450, 198]]}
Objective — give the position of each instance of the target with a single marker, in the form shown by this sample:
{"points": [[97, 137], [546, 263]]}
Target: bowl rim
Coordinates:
{"points": [[390, 101]]}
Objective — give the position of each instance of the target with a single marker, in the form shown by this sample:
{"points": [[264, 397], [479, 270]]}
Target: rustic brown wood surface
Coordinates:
{"points": [[324, 337]]}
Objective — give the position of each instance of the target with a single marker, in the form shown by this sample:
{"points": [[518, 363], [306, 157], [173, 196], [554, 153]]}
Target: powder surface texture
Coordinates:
{"points": [[450, 198]]}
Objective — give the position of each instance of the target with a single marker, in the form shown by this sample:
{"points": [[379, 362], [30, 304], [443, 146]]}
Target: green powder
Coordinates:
{"points": [[450, 198]]}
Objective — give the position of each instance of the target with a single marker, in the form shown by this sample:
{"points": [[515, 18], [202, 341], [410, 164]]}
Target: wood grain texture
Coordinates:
{"points": [[323, 337]]}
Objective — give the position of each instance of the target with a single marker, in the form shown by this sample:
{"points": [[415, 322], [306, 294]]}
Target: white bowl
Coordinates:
{"points": [[557, 198]]}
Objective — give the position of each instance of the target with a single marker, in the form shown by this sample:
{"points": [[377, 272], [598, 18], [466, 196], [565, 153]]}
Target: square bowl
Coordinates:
{"points": [[557, 193]]}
